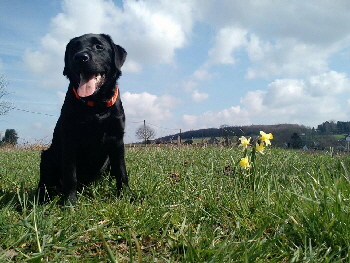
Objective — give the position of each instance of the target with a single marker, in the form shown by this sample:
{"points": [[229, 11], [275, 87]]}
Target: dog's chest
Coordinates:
{"points": [[99, 128]]}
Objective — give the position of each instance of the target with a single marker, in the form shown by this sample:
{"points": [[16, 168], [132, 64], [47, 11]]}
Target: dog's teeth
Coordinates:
{"points": [[98, 77]]}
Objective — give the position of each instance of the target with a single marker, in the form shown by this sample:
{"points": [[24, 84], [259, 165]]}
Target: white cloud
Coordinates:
{"points": [[189, 85], [190, 120], [48, 67], [37, 125], [232, 116], [167, 101], [151, 32], [146, 106], [253, 102], [202, 73], [285, 92], [154, 30], [329, 83], [293, 39], [308, 101], [256, 48], [151, 108], [80, 17], [286, 57], [37, 61], [198, 97], [228, 40], [304, 101], [315, 22], [132, 66], [279, 56]]}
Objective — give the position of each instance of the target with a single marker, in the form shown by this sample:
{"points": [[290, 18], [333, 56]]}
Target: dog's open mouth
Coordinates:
{"points": [[90, 83]]}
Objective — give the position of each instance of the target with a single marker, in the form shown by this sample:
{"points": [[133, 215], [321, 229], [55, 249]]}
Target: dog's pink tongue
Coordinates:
{"points": [[87, 86]]}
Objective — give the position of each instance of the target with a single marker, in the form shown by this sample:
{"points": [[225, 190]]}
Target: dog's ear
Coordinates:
{"points": [[66, 70], [120, 56], [119, 52]]}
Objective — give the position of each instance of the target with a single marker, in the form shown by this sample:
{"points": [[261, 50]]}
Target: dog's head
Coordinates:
{"points": [[93, 61]]}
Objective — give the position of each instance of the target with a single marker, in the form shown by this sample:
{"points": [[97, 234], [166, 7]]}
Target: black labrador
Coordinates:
{"points": [[88, 137]]}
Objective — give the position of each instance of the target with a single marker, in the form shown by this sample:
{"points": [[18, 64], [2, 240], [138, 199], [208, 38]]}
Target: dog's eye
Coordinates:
{"points": [[98, 47]]}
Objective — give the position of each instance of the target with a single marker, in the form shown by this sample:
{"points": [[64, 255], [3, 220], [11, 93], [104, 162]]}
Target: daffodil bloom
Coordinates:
{"points": [[244, 162], [244, 142], [266, 138], [260, 147]]}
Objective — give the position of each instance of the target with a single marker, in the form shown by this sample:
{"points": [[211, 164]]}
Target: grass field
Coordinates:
{"points": [[195, 205]]}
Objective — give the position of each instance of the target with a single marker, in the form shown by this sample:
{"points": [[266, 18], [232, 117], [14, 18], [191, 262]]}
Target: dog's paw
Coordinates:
{"points": [[70, 200]]}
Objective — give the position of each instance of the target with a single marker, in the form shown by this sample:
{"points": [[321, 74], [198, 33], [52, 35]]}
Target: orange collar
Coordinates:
{"points": [[91, 103]]}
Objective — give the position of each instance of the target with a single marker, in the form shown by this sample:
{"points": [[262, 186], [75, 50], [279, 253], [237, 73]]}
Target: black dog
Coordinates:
{"points": [[88, 137]]}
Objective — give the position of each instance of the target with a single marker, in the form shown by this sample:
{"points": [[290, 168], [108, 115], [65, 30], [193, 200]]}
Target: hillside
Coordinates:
{"points": [[281, 132], [294, 135]]}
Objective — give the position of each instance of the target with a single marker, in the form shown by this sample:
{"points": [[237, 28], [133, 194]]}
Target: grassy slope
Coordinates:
{"points": [[294, 208]]}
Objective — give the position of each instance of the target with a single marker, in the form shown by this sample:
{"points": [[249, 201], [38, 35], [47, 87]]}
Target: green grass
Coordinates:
{"points": [[195, 206], [339, 136]]}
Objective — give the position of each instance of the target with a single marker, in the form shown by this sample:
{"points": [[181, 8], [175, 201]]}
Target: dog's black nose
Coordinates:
{"points": [[81, 57]]}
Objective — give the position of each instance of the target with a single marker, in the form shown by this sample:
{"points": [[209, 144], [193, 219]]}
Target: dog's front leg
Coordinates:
{"points": [[118, 167], [69, 175], [50, 173]]}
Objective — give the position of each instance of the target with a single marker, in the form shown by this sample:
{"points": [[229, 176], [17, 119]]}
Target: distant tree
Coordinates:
{"points": [[328, 127], [226, 133], [10, 137], [5, 106], [145, 133], [343, 127], [296, 141]]}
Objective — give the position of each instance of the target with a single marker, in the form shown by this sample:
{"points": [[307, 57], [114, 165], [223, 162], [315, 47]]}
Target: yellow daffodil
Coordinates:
{"points": [[244, 142], [266, 138], [260, 147], [244, 162]]}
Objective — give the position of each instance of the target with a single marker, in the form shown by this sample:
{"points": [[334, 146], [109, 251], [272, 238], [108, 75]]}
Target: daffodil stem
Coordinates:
{"points": [[253, 171]]}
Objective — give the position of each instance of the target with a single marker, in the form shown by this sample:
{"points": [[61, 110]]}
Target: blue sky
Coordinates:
{"points": [[191, 64]]}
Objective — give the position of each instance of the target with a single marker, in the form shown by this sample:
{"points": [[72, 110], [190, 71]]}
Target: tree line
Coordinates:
{"points": [[285, 135], [10, 137], [282, 132], [332, 127]]}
